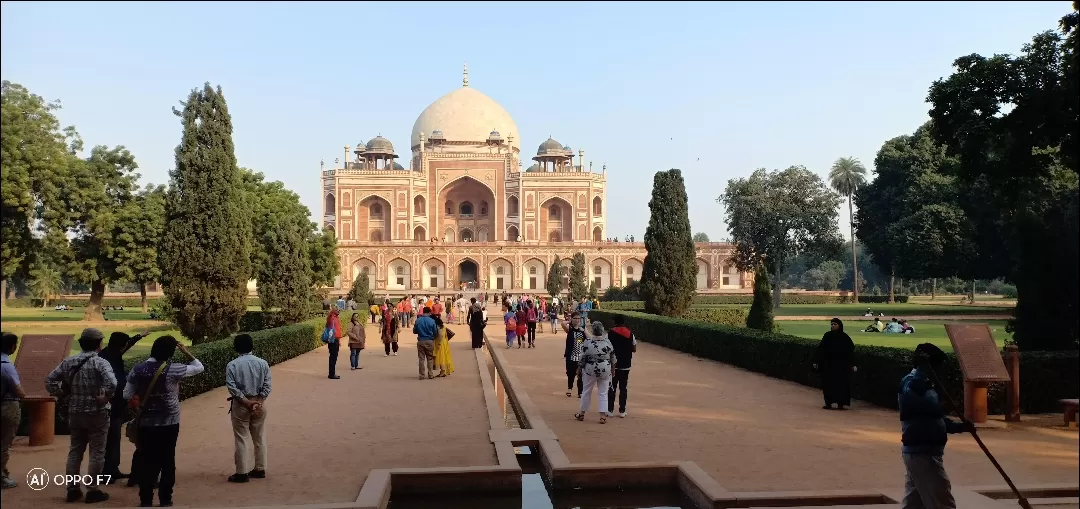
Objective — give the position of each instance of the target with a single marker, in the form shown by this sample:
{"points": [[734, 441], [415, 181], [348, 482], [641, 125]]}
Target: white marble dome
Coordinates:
{"points": [[465, 115]]}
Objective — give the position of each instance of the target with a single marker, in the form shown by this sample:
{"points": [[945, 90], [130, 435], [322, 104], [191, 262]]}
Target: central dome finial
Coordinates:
{"points": [[465, 75]]}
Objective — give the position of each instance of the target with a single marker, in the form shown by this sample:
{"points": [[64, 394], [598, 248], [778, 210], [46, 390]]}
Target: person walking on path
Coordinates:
{"points": [[12, 394], [333, 344], [522, 319], [88, 382], [595, 368], [476, 324], [425, 329], [444, 362], [531, 317], [625, 345], [154, 385], [834, 359], [357, 338], [388, 332], [119, 344], [510, 321], [374, 310], [575, 338], [925, 432], [247, 378]]}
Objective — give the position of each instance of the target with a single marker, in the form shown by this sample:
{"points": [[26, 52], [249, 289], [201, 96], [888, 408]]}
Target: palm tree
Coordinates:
{"points": [[45, 282], [846, 177]]}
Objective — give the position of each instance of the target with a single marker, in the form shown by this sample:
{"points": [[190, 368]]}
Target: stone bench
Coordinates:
{"points": [[1071, 406]]}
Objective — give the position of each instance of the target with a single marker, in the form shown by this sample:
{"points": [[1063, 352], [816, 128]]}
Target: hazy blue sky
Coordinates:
{"points": [[717, 89]]}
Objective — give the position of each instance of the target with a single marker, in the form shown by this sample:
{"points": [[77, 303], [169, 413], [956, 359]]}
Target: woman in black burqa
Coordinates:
{"points": [[834, 359]]}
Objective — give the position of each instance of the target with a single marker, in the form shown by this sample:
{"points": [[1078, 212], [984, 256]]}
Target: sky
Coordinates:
{"points": [[715, 89]]}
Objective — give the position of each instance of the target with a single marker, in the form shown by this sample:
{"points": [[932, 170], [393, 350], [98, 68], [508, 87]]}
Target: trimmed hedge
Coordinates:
{"points": [[785, 298], [274, 345], [1045, 377], [735, 317]]}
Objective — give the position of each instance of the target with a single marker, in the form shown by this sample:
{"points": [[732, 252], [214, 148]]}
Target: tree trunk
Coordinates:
{"points": [[93, 308], [3, 293], [892, 280], [142, 294], [901, 285], [972, 291], [776, 288], [854, 257], [933, 288]]}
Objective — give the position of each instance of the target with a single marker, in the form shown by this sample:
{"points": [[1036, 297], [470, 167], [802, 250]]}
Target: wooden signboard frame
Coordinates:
{"points": [[38, 355], [980, 362]]}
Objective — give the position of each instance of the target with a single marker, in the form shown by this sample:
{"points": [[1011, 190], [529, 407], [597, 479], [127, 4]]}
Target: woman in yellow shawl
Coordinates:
{"points": [[443, 360]]}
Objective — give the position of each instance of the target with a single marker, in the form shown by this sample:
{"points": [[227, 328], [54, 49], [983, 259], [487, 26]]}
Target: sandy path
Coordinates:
{"points": [[323, 435], [754, 433]]}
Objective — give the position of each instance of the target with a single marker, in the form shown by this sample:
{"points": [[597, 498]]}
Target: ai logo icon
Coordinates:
{"points": [[37, 479]]}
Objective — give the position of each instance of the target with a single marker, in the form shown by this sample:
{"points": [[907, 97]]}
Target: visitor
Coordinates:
{"points": [[444, 362], [530, 317], [425, 329], [407, 307], [553, 315], [374, 310], [12, 393], [119, 344], [437, 308], [88, 382], [333, 325], [595, 369], [877, 326], [247, 378], [476, 324], [584, 307], [624, 344], [357, 339], [575, 338], [925, 432], [834, 359], [341, 303], [388, 332], [521, 318], [894, 327], [462, 310], [399, 310], [154, 385], [541, 315], [905, 328], [868, 312], [510, 321]]}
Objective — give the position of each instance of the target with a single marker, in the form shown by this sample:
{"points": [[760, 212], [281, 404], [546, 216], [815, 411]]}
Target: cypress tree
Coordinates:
{"points": [[578, 288], [361, 290], [554, 278], [204, 253], [669, 275], [761, 311]]}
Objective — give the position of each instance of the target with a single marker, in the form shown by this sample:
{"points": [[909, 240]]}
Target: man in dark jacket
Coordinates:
{"points": [[925, 432], [625, 344], [119, 344], [575, 338]]}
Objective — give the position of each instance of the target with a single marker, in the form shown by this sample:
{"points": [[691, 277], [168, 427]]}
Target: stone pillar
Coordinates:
{"points": [[1012, 390]]}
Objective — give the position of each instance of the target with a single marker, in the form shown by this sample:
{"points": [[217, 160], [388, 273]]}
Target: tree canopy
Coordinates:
{"points": [[701, 237], [669, 273]]}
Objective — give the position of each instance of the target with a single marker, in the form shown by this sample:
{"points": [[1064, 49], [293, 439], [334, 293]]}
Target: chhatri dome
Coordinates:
{"points": [[465, 115]]}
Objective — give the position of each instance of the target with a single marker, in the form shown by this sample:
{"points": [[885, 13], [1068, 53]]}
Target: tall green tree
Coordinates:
{"points": [[669, 274], [33, 157], [45, 282], [701, 237], [555, 277], [205, 252], [846, 177], [760, 316], [361, 290], [578, 287], [284, 277], [1011, 121], [774, 216], [137, 235], [322, 251]]}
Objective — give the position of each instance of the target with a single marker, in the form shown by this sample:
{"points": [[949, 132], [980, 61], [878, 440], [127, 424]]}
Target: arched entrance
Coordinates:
{"points": [[468, 272]]}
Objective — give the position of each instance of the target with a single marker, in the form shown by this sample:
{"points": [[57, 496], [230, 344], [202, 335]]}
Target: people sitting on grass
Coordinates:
{"points": [[877, 326], [906, 328], [894, 327], [868, 312]]}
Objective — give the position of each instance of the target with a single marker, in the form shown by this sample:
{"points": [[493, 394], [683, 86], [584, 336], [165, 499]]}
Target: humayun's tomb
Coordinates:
{"points": [[465, 213]]}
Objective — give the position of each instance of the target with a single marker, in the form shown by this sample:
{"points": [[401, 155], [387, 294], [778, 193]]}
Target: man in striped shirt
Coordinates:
{"points": [[247, 378]]}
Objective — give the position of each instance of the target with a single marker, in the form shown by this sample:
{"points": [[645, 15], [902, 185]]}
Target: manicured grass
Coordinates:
{"points": [[75, 314], [926, 331], [142, 348], [890, 310]]}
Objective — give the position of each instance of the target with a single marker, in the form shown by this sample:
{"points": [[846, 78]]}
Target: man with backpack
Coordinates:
{"points": [[530, 317], [625, 344], [85, 383]]}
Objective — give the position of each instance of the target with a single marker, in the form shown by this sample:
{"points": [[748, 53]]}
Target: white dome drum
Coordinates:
{"points": [[465, 115]]}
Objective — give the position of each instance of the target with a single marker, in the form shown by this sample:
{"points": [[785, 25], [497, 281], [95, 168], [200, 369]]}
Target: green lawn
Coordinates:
{"points": [[890, 310], [74, 315], [926, 331], [142, 348]]}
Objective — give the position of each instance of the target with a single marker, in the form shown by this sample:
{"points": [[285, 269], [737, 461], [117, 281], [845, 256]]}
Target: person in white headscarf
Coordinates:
{"points": [[595, 369]]}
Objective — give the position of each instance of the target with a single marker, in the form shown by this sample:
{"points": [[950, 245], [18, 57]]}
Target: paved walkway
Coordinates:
{"points": [[323, 435], [754, 433]]}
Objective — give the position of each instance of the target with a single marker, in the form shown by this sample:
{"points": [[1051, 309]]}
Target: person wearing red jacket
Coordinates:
{"points": [[624, 344]]}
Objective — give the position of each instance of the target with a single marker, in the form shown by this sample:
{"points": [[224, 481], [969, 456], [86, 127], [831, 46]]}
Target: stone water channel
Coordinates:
{"points": [[536, 491]]}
